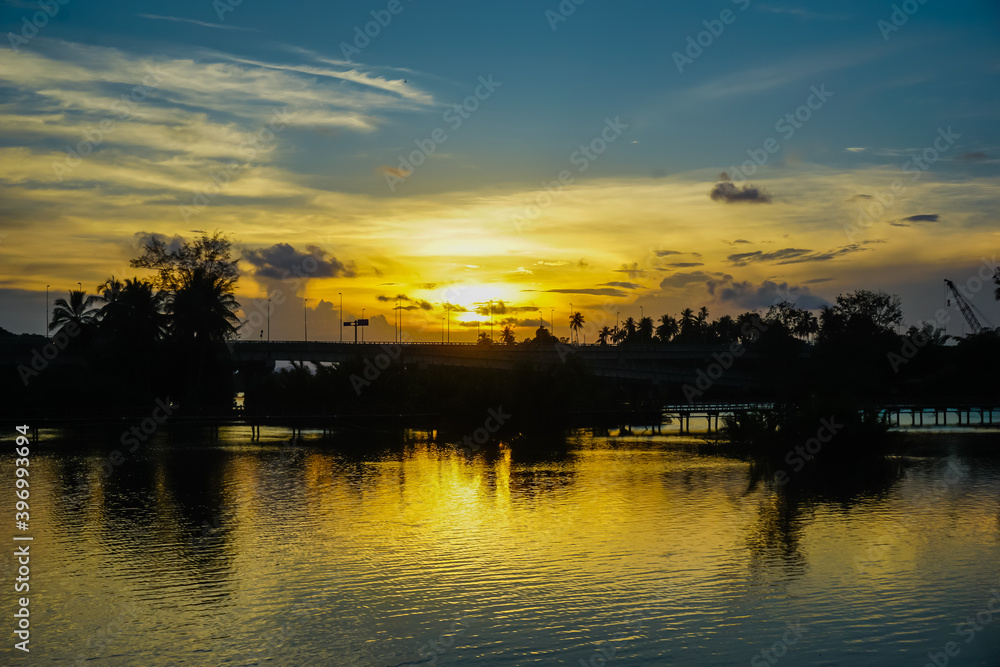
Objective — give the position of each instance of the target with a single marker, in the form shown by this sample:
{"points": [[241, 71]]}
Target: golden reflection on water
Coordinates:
{"points": [[321, 550]]}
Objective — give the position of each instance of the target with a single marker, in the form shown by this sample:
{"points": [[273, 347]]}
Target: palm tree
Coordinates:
{"points": [[576, 323], [110, 289], [645, 329], [667, 328], [81, 310], [688, 323], [203, 309], [134, 313], [507, 336], [726, 329], [604, 335], [629, 330]]}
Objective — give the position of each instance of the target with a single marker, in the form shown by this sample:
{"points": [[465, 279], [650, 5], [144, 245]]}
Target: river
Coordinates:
{"points": [[638, 550]]}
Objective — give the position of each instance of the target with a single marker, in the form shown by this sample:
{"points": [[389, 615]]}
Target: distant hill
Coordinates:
{"points": [[4, 332]]}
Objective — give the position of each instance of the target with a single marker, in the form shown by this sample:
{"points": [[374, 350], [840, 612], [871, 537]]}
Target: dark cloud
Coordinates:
{"points": [[685, 265], [606, 291], [905, 222], [632, 271], [622, 285], [856, 197], [411, 304], [972, 157], [750, 296], [142, 239], [501, 308], [730, 193], [684, 279], [282, 261], [794, 255], [815, 281], [740, 241], [666, 253]]}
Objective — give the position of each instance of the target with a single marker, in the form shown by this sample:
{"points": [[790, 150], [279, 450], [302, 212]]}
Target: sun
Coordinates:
{"points": [[472, 297]]}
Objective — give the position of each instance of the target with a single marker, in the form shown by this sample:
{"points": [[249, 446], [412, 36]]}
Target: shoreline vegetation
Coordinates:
{"points": [[167, 337]]}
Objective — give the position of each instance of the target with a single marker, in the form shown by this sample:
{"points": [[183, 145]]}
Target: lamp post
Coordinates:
{"points": [[305, 324], [552, 321], [80, 285], [491, 320], [362, 328], [571, 320], [447, 309], [341, 316], [539, 318], [442, 328], [268, 320], [46, 330]]}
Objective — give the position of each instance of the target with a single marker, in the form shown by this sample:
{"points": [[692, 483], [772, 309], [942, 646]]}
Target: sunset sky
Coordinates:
{"points": [[314, 145]]}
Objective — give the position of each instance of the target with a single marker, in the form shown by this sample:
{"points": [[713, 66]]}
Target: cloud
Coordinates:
{"points": [[632, 271], [281, 261], [802, 13], [607, 291], [622, 285], [502, 308], [972, 157], [679, 280], [157, 17], [730, 193], [142, 239], [666, 253], [740, 241], [685, 265], [855, 149], [905, 222], [411, 304], [750, 296], [794, 255]]}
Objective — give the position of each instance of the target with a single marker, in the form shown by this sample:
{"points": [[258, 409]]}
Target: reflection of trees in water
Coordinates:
{"points": [[776, 531], [786, 509]]}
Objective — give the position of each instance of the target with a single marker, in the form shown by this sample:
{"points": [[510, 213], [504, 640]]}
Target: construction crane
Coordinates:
{"points": [[968, 310]]}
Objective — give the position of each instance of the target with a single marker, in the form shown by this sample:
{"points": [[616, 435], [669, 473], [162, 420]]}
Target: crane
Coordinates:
{"points": [[968, 310]]}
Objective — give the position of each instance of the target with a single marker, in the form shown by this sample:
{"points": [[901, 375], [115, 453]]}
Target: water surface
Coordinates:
{"points": [[631, 551]]}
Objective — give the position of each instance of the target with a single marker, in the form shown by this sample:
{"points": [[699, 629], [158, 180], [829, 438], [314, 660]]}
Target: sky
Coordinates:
{"points": [[617, 159]]}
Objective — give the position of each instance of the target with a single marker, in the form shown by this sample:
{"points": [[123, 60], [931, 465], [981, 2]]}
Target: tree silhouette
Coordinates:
{"points": [[81, 310], [667, 328], [134, 313], [645, 329], [629, 328], [576, 323], [688, 324], [604, 335], [507, 336]]}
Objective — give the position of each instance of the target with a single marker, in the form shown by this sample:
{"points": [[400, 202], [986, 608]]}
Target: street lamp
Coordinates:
{"points": [[362, 328], [268, 320], [46, 330], [80, 285], [442, 328], [571, 319], [447, 309], [539, 318], [341, 327], [491, 320], [305, 324], [552, 321]]}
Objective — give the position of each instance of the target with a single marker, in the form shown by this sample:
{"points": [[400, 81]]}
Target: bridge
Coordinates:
{"points": [[680, 364]]}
